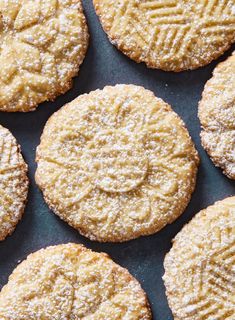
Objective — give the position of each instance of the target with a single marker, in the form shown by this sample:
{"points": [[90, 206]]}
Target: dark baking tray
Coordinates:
{"points": [[104, 65]]}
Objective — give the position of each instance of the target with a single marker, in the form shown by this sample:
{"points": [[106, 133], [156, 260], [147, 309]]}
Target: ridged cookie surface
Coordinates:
{"points": [[169, 34], [72, 282], [116, 163], [43, 43], [217, 116], [200, 268], [13, 183]]}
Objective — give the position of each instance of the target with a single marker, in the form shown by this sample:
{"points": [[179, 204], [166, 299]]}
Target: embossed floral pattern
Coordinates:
{"points": [[117, 163]]}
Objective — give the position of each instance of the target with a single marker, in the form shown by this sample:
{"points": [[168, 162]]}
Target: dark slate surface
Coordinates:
{"points": [[142, 257]]}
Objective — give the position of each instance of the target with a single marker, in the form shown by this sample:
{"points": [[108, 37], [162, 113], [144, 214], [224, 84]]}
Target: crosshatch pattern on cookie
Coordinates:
{"points": [[199, 269], [170, 35]]}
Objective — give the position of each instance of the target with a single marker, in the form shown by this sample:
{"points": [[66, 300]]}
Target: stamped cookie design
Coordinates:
{"points": [[217, 114], [72, 282], [117, 160], [43, 43], [13, 183], [199, 270], [169, 35], [116, 164]]}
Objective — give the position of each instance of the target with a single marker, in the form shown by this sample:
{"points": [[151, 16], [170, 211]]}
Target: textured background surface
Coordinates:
{"points": [[143, 257]]}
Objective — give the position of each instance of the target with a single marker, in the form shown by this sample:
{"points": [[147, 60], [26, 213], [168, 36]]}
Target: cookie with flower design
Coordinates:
{"points": [[116, 164], [43, 43]]}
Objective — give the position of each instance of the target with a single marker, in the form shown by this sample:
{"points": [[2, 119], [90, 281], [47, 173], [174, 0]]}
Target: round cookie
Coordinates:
{"points": [[199, 269], [116, 164], [13, 183], [71, 282], [216, 113], [169, 35], [43, 43]]}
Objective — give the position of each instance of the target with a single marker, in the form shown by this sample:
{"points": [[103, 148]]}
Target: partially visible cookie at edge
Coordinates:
{"points": [[43, 44], [69, 281], [116, 164], [169, 35], [217, 114], [199, 269], [13, 183]]}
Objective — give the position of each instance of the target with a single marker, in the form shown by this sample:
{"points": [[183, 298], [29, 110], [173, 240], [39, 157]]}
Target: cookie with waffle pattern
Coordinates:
{"points": [[116, 164], [69, 281], [216, 113], [199, 269], [168, 34], [13, 183], [43, 43]]}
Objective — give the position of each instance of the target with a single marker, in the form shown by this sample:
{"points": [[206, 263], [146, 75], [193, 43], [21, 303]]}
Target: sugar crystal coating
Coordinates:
{"points": [[43, 43]]}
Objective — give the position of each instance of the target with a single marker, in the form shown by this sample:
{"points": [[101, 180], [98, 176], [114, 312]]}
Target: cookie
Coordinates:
{"points": [[199, 270], [71, 282], [43, 43], [13, 183], [216, 113], [116, 164], [169, 35]]}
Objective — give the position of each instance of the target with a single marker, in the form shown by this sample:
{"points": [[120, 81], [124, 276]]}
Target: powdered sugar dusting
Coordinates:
{"points": [[117, 163], [72, 282]]}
